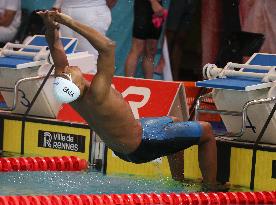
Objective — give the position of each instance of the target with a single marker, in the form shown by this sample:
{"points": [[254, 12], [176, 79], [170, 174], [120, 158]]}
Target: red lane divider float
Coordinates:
{"points": [[219, 198], [66, 163]]}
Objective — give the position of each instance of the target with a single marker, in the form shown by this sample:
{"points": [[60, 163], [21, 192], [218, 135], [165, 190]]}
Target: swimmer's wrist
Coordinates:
{"points": [[66, 20]]}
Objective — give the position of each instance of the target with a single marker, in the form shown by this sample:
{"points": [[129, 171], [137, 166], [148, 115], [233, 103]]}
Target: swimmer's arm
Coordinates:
{"points": [[99, 41], [101, 83], [56, 48]]}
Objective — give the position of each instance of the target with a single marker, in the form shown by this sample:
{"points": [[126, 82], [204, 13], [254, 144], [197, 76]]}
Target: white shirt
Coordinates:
{"points": [[78, 3], [13, 5]]}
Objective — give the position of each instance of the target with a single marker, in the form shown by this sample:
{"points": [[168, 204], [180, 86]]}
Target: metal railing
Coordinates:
{"points": [[243, 113], [15, 90]]}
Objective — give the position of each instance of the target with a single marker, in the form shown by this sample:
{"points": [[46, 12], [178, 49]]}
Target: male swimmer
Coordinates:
{"points": [[110, 116]]}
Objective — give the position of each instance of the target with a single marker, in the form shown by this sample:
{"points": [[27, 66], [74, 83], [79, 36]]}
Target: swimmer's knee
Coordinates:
{"points": [[207, 132], [206, 127], [175, 119]]}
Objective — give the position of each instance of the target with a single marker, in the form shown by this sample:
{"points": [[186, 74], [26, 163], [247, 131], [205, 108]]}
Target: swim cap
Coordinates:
{"points": [[65, 90]]}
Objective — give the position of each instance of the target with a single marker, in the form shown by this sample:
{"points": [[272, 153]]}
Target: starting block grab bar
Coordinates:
{"points": [[16, 90], [211, 71], [243, 113], [256, 67], [37, 53]]}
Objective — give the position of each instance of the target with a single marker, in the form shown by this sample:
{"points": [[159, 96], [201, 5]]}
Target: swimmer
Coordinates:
{"points": [[110, 116]]}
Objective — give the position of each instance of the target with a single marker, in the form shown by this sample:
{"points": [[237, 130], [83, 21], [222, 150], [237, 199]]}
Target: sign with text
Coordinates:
{"points": [[61, 141], [147, 98]]}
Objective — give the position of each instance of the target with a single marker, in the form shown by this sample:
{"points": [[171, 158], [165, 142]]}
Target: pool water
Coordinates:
{"points": [[46, 183]]}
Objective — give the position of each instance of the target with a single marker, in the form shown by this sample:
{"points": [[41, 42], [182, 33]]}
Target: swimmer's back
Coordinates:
{"points": [[112, 120]]}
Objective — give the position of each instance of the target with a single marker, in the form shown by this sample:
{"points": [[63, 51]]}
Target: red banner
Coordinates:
{"points": [[147, 98]]}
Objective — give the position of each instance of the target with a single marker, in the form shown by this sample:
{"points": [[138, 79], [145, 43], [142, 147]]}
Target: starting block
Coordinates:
{"points": [[244, 95], [22, 69]]}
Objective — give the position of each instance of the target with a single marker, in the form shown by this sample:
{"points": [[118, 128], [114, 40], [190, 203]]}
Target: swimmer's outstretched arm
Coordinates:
{"points": [[101, 84], [54, 42]]}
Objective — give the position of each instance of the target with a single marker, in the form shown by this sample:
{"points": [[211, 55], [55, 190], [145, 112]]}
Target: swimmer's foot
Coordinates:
{"points": [[218, 187]]}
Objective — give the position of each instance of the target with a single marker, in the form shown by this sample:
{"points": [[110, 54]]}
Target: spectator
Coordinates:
{"points": [[10, 18], [145, 37], [259, 17], [95, 13], [235, 30], [35, 26], [183, 42]]}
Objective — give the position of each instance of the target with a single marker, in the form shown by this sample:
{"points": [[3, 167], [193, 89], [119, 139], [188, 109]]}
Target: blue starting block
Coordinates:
{"points": [[32, 60], [21, 61], [251, 88]]}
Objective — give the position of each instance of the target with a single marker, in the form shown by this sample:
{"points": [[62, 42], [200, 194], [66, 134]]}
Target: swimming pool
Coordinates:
{"points": [[90, 182], [86, 188], [34, 179], [45, 183]]}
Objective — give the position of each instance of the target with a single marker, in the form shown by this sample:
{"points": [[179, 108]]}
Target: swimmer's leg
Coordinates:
{"points": [[207, 155], [176, 161]]}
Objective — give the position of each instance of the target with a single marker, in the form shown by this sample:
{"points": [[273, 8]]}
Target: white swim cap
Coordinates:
{"points": [[65, 90]]}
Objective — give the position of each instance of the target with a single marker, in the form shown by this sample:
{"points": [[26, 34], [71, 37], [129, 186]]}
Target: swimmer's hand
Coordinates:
{"points": [[61, 17], [48, 19], [55, 17]]}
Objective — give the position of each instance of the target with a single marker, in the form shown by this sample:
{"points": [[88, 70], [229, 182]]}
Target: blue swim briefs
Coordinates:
{"points": [[161, 137]]}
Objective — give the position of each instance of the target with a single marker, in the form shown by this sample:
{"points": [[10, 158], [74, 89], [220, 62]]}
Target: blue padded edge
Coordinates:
{"points": [[71, 49], [229, 83], [41, 41], [264, 59], [12, 62]]}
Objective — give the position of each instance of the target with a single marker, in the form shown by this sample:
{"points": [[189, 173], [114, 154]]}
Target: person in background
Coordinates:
{"points": [[94, 13], [35, 26], [259, 17], [10, 18], [183, 39], [148, 18]]}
